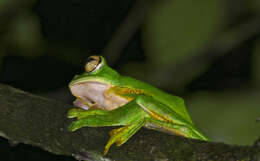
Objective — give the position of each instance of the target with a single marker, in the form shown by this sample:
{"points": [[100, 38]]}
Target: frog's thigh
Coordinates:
{"points": [[159, 111], [180, 130], [168, 127], [161, 117], [166, 119]]}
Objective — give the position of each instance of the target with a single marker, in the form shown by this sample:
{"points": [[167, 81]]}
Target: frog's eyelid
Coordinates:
{"points": [[98, 66], [100, 60]]}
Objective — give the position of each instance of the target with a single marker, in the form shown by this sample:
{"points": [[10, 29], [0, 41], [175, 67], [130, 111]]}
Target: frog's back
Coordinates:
{"points": [[174, 102]]}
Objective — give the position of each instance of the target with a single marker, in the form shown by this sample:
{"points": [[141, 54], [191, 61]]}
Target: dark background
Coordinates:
{"points": [[208, 52]]}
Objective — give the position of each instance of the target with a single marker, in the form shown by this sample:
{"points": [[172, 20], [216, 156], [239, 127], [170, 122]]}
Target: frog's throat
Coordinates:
{"points": [[89, 94], [96, 94]]}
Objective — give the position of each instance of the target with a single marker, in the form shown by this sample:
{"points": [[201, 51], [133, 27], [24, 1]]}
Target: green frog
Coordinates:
{"points": [[107, 98]]}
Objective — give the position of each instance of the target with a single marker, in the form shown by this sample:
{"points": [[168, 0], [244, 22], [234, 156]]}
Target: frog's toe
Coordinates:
{"points": [[75, 125], [82, 123], [113, 139], [74, 112], [72, 127]]}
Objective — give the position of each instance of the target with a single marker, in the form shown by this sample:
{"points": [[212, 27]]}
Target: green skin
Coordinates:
{"points": [[151, 108]]}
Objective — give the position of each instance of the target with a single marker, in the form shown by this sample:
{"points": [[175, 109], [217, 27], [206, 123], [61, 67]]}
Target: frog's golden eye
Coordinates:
{"points": [[92, 63]]}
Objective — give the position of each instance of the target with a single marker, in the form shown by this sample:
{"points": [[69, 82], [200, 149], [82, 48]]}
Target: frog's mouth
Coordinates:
{"points": [[89, 94]]}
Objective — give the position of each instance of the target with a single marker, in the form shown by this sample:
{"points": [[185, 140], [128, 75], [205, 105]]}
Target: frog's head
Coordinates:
{"points": [[96, 70], [91, 86]]}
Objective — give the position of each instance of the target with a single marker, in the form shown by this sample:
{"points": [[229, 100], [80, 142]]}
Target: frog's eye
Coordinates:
{"points": [[92, 63]]}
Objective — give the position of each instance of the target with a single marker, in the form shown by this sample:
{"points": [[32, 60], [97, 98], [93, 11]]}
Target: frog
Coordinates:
{"points": [[106, 98]]}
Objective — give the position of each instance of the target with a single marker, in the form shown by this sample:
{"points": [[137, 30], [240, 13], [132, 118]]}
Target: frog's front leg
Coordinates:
{"points": [[80, 113], [130, 116], [124, 115]]}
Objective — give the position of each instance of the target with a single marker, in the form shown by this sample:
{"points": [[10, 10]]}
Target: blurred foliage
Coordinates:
{"points": [[6, 3], [256, 63], [77, 29], [172, 36], [182, 44], [24, 35], [254, 5], [227, 117], [17, 24]]}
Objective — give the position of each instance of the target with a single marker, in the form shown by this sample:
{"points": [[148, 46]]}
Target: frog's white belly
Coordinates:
{"points": [[95, 94]]}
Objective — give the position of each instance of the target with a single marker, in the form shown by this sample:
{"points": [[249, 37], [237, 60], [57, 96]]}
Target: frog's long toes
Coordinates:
{"points": [[107, 147], [73, 126], [74, 112], [71, 116], [78, 124]]}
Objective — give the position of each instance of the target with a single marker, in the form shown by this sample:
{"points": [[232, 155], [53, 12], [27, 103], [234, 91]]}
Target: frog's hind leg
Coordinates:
{"points": [[118, 136], [167, 119], [176, 129], [121, 135]]}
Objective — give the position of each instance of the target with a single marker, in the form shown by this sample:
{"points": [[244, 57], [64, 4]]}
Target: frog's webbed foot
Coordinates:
{"points": [[121, 135], [74, 112]]}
